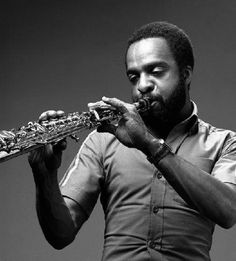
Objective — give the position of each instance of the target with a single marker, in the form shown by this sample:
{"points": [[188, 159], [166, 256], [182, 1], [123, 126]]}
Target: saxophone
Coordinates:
{"points": [[36, 134]]}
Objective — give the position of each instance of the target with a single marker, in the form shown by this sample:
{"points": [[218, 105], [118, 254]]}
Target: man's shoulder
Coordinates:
{"points": [[95, 135], [209, 129], [99, 138]]}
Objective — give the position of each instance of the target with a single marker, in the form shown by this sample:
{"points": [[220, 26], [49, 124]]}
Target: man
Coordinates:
{"points": [[160, 201]]}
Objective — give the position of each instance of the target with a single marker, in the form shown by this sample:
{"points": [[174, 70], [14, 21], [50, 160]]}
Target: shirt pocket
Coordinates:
{"points": [[204, 164]]}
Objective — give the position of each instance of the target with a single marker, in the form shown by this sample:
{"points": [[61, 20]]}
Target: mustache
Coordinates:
{"points": [[152, 99]]}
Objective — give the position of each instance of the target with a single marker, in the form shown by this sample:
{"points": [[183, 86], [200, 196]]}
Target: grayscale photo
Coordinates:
{"points": [[118, 130]]}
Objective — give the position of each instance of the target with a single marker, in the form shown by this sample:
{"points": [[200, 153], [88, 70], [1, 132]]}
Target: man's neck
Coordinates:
{"points": [[162, 129]]}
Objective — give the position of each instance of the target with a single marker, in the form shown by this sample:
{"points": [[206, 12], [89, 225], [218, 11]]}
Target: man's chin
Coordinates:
{"points": [[156, 114]]}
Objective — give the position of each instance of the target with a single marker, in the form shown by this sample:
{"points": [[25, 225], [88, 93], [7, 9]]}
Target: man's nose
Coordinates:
{"points": [[145, 85]]}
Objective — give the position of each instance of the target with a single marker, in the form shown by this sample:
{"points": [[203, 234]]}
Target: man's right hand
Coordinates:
{"points": [[46, 160]]}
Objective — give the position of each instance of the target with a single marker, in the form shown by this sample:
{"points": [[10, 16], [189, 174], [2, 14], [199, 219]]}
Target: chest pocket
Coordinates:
{"points": [[204, 164]]}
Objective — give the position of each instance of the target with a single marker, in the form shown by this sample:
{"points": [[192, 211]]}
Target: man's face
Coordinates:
{"points": [[153, 72]]}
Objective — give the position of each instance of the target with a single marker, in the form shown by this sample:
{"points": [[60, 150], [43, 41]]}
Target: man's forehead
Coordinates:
{"points": [[149, 49]]}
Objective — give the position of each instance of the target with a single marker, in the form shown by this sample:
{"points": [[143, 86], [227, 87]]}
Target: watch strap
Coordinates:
{"points": [[162, 150]]}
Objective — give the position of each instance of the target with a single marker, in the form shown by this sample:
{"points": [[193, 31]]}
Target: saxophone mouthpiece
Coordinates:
{"points": [[143, 104]]}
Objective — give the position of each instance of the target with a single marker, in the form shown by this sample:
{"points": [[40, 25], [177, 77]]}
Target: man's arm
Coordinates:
{"points": [[60, 218], [213, 198]]}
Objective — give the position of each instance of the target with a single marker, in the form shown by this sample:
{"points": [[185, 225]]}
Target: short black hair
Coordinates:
{"points": [[178, 41]]}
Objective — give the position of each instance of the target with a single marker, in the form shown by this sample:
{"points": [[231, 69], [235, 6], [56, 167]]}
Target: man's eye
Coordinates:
{"points": [[133, 78], [157, 71]]}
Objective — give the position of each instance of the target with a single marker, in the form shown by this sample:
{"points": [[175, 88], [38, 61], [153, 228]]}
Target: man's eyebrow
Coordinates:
{"points": [[131, 71], [148, 66]]}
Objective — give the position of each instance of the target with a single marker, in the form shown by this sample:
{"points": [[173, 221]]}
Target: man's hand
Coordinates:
{"points": [[46, 160], [130, 130]]}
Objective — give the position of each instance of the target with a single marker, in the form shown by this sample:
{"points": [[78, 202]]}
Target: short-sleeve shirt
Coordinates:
{"points": [[145, 218]]}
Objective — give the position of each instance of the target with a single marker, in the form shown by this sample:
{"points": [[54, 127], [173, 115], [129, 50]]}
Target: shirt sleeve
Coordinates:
{"points": [[83, 179], [225, 167]]}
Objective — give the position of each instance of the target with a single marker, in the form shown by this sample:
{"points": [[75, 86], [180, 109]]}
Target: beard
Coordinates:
{"points": [[164, 112]]}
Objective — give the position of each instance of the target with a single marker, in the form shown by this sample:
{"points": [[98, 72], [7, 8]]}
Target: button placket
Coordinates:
{"points": [[156, 218]]}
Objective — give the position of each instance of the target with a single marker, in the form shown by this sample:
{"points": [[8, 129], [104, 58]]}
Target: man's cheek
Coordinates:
{"points": [[135, 95]]}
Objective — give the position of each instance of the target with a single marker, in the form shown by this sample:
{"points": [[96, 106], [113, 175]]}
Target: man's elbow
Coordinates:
{"points": [[229, 221], [229, 224], [60, 243]]}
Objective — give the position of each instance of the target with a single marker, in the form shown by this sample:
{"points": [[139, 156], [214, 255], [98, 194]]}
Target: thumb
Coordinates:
{"points": [[107, 127]]}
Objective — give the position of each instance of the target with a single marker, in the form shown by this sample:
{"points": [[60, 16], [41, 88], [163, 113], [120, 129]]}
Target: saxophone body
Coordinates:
{"points": [[16, 142], [36, 134]]}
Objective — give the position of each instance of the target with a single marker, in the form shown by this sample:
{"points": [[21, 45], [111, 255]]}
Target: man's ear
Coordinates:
{"points": [[187, 75]]}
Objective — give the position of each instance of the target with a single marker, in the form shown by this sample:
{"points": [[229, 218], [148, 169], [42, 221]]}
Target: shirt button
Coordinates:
{"points": [[151, 244], [155, 209], [159, 175]]}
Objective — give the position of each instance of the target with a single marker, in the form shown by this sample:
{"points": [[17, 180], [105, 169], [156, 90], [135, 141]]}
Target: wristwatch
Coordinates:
{"points": [[162, 150]]}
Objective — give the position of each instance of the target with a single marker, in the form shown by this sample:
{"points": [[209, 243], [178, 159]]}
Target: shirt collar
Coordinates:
{"points": [[183, 129]]}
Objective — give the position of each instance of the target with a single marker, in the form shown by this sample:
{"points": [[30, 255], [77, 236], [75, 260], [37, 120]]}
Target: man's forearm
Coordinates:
{"points": [[54, 216], [211, 197]]}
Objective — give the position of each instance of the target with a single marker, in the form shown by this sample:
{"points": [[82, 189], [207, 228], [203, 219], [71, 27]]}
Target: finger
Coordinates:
{"points": [[60, 146], [51, 114], [116, 103], [44, 158], [43, 116], [98, 105], [53, 159], [7, 134], [60, 113], [47, 115], [36, 157], [31, 157], [106, 127]]}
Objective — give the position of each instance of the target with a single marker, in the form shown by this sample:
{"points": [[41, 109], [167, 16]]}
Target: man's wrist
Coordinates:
{"points": [[158, 150]]}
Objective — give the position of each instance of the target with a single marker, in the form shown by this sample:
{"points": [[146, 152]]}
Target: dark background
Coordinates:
{"points": [[64, 54]]}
